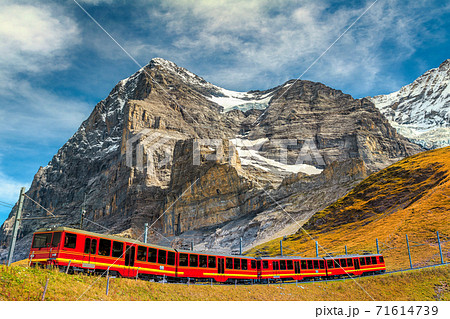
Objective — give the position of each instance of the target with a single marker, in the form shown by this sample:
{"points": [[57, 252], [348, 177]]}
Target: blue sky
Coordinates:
{"points": [[56, 64]]}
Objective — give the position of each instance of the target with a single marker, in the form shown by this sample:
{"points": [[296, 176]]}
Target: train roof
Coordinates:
{"points": [[351, 256], [134, 241], [290, 257], [211, 253]]}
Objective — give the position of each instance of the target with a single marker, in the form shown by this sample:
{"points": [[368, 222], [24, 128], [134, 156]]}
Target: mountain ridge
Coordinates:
{"points": [[124, 162]]}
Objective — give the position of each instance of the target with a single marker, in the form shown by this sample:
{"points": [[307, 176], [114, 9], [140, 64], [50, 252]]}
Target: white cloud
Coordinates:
{"points": [[44, 116], [10, 188], [35, 40], [261, 38]]}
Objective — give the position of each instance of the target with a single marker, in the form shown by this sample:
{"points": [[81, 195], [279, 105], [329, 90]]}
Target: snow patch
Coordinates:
{"points": [[250, 156]]}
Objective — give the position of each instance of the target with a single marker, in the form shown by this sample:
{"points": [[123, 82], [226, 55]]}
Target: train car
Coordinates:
{"points": [[356, 265], [221, 268], [92, 252], [287, 268]]}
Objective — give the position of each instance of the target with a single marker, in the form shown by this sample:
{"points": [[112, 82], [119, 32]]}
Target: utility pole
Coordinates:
{"points": [[83, 212], [317, 249], [16, 226], [145, 232], [409, 251], [281, 247], [440, 249], [240, 245]]}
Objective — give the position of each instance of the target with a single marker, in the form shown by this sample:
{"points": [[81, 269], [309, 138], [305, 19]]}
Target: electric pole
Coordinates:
{"points": [[16, 226]]}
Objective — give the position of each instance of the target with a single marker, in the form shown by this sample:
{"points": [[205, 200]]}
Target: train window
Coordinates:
{"points": [[362, 261], [193, 260], [42, 240], [104, 247], [70, 241], [303, 263], [171, 258], [117, 249], [237, 263], [253, 264], [87, 245], [349, 262], [244, 264], [141, 253], [211, 262], [330, 264], [336, 263], [276, 265], [56, 239], [321, 264], [203, 261], [374, 260], [151, 255], [229, 263], [290, 264], [282, 264], [316, 264], [310, 264], [265, 264], [344, 262], [184, 260], [381, 259], [94, 246], [162, 256], [368, 261]]}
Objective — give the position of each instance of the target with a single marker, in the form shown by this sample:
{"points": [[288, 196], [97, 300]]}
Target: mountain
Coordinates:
{"points": [[209, 165], [410, 197], [421, 110]]}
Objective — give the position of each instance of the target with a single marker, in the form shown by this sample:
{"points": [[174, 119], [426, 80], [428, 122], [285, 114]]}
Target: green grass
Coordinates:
{"points": [[22, 283]]}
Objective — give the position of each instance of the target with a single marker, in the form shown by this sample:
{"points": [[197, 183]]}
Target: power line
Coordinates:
{"points": [[39, 205], [5, 203]]}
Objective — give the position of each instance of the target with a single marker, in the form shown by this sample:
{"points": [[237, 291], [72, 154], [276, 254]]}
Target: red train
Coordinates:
{"points": [[97, 253]]}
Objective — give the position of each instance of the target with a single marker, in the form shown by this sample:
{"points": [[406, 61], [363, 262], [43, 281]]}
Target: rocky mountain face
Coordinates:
{"points": [[421, 110], [207, 165]]}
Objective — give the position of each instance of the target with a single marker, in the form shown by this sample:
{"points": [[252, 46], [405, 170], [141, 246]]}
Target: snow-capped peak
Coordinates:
{"points": [[229, 100], [420, 107]]}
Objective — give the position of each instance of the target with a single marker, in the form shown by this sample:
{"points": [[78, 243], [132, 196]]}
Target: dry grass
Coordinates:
{"points": [[23, 283], [410, 197]]}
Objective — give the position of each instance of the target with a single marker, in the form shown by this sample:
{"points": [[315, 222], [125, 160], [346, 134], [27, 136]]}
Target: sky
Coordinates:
{"points": [[56, 63]]}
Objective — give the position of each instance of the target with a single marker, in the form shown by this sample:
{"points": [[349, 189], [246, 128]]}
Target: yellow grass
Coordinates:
{"points": [[23, 283], [410, 197]]}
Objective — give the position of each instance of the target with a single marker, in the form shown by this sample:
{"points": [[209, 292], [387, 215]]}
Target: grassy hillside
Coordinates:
{"points": [[410, 197], [23, 283]]}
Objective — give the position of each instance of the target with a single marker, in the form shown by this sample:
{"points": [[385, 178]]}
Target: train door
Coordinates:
{"points": [[276, 269], [130, 253], [297, 267], [220, 265], [258, 269], [356, 263], [90, 249]]}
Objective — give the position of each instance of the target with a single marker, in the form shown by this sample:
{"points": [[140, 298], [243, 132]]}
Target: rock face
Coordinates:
{"points": [[421, 110], [192, 159]]}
